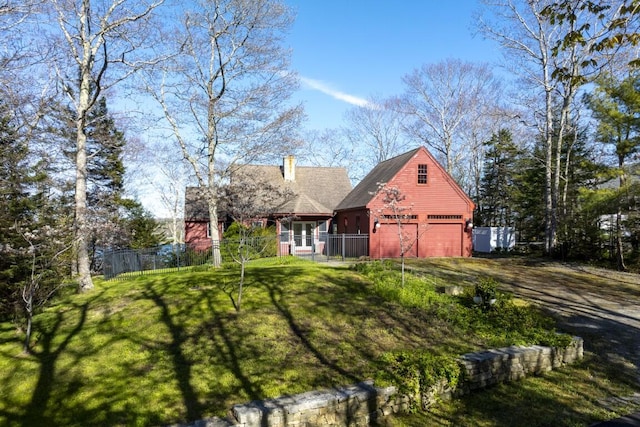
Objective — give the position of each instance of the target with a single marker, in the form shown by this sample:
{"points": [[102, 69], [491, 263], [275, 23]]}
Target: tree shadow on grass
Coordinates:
{"points": [[181, 364], [49, 349], [278, 299]]}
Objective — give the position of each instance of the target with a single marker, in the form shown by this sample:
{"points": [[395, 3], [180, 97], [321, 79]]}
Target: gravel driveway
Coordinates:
{"points": [[608, 319], [601, 306]]}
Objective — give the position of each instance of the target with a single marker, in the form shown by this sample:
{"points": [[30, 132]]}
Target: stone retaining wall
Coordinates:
{"points": [[360, 404], [508, 364]]}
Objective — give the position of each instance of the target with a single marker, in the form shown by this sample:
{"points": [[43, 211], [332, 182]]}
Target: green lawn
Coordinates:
{"points": [[161, 349]]}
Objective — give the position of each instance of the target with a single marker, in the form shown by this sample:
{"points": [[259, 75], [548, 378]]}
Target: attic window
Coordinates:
{"points": [[422, 174]]}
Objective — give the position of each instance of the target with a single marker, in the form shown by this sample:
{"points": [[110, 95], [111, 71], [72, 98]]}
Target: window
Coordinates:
{"points": [[284, 232], [444, 216], [422, 174]]}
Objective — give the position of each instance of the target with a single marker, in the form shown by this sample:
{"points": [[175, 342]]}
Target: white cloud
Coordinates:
{"points": [[326, 89]]}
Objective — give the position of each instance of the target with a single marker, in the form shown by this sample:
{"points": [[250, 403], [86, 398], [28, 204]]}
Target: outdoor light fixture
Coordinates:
{"points": [[376, 224], [468, 225]]}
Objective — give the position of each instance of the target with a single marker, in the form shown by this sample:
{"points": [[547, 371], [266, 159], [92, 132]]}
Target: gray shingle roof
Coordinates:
{"points": [[318, 190], [382, 173]]}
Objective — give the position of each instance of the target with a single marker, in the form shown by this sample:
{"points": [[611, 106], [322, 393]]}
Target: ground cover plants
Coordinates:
{"points": [[166, 348]]}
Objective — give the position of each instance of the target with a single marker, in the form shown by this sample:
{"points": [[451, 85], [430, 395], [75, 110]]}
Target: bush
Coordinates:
{"points": [[415, 373], [486, 293], [499, 324]]}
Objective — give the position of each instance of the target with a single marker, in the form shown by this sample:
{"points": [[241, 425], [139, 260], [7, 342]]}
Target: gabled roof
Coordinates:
{"points": [[382, 173], [317, 190]]}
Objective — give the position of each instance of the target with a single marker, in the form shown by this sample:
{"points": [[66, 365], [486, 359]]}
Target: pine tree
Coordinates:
{"points": [[33, 234], [105, 146], [16, 210], [140, 227], [105, 177], [496, 205], [616, 106], [529, 195]]}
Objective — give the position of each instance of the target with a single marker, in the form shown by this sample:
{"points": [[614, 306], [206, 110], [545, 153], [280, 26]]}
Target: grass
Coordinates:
{"points": [[166, 348]]}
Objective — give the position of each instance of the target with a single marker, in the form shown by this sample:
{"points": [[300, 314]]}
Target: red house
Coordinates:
{"points": [[197, 231], [302, 221], [435, 216]]}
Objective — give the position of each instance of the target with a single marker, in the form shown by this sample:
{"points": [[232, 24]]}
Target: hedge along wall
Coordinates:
{"points": [[360, 404]]}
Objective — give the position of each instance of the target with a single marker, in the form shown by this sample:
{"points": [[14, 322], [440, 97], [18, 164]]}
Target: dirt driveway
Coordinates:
{"points": [[601, 306]]}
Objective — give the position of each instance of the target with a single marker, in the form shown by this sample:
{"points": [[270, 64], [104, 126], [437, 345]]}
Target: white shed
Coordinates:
{"points": [[488, 239]]}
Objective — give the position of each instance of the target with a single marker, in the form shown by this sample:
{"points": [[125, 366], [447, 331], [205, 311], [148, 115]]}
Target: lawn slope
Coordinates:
{"points": [[168, 348]]}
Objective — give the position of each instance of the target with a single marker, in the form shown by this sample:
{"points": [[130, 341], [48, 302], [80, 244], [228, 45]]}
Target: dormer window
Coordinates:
{"points": [[422, 174]]}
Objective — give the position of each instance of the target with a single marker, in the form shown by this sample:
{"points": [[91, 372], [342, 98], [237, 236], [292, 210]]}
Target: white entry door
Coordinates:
{"points": [[303, 234]]}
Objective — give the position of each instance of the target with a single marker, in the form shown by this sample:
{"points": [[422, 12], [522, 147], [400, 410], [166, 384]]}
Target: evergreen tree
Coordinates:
{"points": [[16, 210], [496, 204], [105, 145], [616, 107], [577, 231], [529, 195], [105, 168], [140, 227], [33, 233]]}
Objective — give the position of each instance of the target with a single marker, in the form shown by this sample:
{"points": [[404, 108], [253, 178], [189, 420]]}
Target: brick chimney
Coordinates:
{"points": [[289, 168]]}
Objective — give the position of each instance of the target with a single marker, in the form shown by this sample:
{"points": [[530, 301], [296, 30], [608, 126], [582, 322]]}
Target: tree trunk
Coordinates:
{"points": [[550, 235], [238, 305], [216, 258], [85, 283], [622, 183], [29, 311], [619, 246]]}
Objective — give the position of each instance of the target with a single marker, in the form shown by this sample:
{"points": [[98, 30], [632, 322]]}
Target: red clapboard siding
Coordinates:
{"points": [[445, 236]]}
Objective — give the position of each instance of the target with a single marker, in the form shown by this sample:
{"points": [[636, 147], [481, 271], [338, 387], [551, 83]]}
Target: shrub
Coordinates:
{"points": [[486, 290], [498, 324], [415, 373]]}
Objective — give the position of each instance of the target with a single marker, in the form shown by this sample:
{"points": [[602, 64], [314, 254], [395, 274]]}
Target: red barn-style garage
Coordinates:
{"points": [[432, 213]]}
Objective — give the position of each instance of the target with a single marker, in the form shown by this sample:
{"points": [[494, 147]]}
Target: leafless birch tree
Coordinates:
{"points": [[98, 44], [224, 92], [535, 49]]}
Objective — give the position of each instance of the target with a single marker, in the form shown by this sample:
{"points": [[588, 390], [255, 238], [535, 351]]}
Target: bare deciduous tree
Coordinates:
{"points": [[246, 200], [330, 148], [396, 210], [224, 93], [44, 249], [553, 70], [375, 130], [97, 44], [442, 101]]}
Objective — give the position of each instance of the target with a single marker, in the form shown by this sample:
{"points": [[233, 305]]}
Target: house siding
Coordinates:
{"points": [[197, 236], [440, 197]]}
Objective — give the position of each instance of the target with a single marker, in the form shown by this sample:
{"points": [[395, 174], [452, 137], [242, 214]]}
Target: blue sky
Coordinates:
{"points": [[348, 50]]}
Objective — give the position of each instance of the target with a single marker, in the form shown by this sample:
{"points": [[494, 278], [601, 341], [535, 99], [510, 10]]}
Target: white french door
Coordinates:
{"points": [[303, 234]]}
